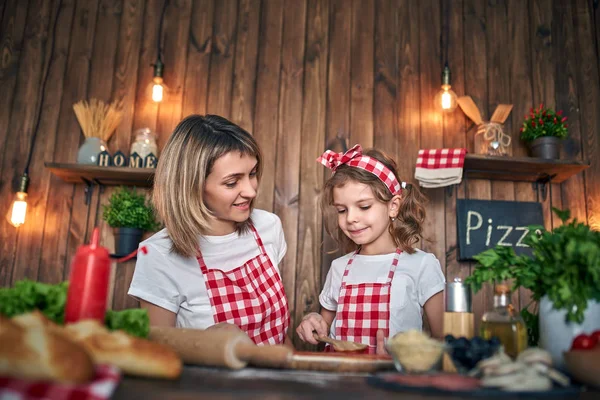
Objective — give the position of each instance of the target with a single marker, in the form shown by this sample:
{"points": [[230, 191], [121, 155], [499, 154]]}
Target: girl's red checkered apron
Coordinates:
{"points": [[364, 308], [250, 296]]}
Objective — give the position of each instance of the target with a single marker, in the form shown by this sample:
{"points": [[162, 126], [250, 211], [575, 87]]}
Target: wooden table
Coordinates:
{"points": [[265, 384]]}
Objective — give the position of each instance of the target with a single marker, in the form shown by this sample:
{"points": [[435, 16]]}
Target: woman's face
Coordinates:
{"points": [[229, 191]]}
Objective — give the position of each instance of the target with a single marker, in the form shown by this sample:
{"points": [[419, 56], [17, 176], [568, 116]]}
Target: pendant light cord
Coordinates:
{"points": [[445, 33], [43, 92], [159, 35]]}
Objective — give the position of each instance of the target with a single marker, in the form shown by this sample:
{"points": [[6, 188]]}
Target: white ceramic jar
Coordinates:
{"points": [[556, 335]]}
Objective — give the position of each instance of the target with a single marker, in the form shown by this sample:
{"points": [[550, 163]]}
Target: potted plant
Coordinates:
{"points": [[130, 215], [563, 275], [543, 130]]}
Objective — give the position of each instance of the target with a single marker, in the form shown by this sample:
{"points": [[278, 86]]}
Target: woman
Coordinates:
{"points": [[217, 259]]}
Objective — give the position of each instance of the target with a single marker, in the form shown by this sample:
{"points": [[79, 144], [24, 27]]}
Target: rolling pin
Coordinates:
{"points": [[221, 345]]}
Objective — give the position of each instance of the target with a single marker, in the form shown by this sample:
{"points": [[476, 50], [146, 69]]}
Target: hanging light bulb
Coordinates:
{"points": [[157, 90], [158, 86], [18, 209], [445, 99]]}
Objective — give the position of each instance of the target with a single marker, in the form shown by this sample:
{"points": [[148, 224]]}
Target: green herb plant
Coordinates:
{"points": [[542, 122], [128, 209], [565, 266]]}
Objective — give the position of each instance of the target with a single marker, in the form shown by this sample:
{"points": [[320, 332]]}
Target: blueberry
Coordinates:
{"points": [[449, 339], [494, 341], [462, 342], [478, 342], [489, 352]]}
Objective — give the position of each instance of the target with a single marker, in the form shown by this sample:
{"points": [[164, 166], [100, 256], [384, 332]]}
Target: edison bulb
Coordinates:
{"points": [[18, 210], [158, 89], [445, 99]]}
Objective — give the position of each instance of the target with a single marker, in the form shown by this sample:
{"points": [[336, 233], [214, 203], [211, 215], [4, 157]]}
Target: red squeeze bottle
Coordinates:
{"points": [[88, 282]]}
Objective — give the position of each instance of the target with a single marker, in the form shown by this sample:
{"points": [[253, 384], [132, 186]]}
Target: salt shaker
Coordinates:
{"points": [[458, 316]]}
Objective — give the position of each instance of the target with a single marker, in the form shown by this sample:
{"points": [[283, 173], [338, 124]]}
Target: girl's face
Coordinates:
{"points": [[229, 191], [364, 218]]}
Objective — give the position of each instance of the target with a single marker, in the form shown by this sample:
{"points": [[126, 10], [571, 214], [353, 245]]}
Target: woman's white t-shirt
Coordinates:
{"points": [[418, 276], [177, 284]]}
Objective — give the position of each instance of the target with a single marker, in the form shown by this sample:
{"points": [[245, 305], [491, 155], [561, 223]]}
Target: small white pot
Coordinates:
{"points": [[556, 335]]}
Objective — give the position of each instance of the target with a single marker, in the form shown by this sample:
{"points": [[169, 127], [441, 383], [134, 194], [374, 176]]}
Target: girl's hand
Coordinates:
{"points": [[312, 322], [380, 350]]}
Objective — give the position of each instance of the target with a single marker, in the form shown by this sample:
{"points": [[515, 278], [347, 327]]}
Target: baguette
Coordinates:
{"points": [[41, 354], [134, 356]]}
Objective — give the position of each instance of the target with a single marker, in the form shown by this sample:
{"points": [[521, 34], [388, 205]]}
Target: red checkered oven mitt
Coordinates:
{"points": [[440, 167], [100, 388]]}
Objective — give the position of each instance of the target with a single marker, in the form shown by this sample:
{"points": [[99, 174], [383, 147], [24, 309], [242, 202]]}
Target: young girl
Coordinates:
{"points": [[382, 286], [216, 260]]}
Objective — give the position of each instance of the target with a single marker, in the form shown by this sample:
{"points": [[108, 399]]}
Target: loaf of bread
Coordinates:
{"points": [[39, 353], [134, 356]]}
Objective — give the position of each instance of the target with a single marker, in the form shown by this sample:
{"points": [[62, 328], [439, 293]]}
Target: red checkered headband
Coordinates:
{"points": [[355, 158]]}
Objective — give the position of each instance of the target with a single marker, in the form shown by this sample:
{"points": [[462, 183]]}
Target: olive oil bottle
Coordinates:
{"points": [[505, 323]]}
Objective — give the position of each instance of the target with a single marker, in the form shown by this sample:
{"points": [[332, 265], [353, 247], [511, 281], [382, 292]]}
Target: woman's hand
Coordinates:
{"points": [[312, 322]]}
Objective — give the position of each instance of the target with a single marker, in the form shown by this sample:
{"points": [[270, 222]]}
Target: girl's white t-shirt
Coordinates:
{"points": [[177, 284], [418, 276]]}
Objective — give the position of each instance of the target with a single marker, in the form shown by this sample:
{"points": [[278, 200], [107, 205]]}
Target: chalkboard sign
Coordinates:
{"points": [[483, 224]]}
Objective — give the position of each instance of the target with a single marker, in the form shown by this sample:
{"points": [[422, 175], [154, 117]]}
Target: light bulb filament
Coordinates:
{"points": [[446, 100], [19, 209]]}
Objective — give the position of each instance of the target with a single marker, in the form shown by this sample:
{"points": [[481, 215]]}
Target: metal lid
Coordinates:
{"points": [[458, 296]]}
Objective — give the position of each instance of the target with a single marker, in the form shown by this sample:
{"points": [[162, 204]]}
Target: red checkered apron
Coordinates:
{"points": [[250, 296], [364, 308]]}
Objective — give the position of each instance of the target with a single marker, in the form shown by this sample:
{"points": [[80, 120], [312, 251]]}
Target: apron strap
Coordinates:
{"points": [[390, 273], [257, 238]]}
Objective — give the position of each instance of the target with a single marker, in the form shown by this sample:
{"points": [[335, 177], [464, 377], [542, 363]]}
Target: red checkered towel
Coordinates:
{"points": [[100, 388], [440, 167]]}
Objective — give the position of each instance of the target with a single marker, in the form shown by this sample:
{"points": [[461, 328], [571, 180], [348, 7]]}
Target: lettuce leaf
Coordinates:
{"points": [[134, 321], [50, 300], [27, 296]]}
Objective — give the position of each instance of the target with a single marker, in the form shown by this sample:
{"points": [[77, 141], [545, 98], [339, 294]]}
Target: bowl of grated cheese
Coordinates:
{"points": [[415, 352]]}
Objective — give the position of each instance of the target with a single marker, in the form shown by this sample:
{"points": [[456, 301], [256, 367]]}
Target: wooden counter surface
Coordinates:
{"points": [[268, 384]]}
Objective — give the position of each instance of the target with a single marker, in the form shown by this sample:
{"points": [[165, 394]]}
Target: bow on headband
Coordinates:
{"points": [[355, 158], [333, 160]]}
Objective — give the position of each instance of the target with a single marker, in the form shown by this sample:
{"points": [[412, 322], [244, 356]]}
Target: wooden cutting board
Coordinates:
{"points": [[339, 362]]}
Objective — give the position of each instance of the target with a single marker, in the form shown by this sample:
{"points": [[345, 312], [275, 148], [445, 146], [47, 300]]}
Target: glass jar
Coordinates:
{"points": [[144, 143], [89, 150], [491, 140]]}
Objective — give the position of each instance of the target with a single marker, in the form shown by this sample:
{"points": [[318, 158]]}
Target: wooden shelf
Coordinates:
{"points": [[106, 176], [527, 169]]}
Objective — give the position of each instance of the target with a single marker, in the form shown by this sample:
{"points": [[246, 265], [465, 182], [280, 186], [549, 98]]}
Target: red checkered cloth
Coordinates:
{"points": [[440, 167], [100, 388], [355, 158]]}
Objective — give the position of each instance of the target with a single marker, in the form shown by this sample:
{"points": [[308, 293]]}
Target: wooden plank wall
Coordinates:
{"points": [[301, 75]]}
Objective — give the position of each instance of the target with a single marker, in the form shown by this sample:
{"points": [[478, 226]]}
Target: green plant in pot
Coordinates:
{"points": [[543, 129], [563, 275], [130, 215]]}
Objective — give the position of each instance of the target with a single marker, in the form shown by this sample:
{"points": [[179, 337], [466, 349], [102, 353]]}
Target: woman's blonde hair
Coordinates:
{"points": [[185, 162], [407, 228]]}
